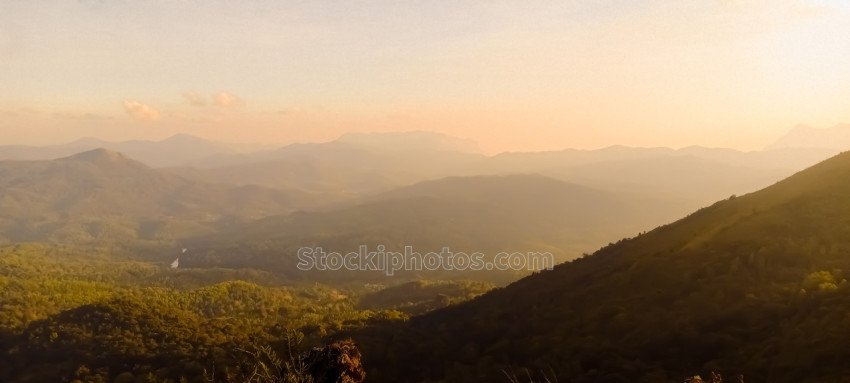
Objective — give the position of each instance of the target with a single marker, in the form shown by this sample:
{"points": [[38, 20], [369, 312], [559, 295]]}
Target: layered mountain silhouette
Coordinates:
{"points": [[101, 194], [177, 150], [482, 213], [353, 165], [413, 188], [359, 164], [753, 285]]}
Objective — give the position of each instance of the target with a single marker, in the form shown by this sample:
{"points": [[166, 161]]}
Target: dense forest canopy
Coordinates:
{"points": [[89, 314]]}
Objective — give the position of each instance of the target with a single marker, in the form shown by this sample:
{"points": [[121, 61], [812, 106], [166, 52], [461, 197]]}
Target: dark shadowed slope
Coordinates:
{"points": [[753, 285]]}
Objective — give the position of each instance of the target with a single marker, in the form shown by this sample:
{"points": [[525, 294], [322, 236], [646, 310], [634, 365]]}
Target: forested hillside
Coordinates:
{"points": [[102, 196], [487, 214], [93, 315], [754, 285]]}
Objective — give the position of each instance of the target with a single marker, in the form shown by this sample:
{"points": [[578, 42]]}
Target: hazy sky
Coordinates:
{"points": [[519, 75]]}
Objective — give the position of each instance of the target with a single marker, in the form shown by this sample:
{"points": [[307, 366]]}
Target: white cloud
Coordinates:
{"points": [[226, 100], [141, 112]]}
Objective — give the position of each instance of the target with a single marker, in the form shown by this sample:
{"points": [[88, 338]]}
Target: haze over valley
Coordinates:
{"points": [[504, 191]]}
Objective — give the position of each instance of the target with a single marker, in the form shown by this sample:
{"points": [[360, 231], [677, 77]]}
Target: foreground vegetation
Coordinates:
{"points": [[93, 316]]}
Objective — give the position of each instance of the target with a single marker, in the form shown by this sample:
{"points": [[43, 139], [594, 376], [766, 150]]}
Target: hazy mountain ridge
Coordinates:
{"points": [[729, 287], [349, 166], [358, 165], [803, 136], [482, 213], [411, 141], [177, 150], [647, 187], [101, 193], [693, 180], [386, 143]]}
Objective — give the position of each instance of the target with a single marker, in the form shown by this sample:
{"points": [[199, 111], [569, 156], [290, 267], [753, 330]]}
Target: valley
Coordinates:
{"points": [[88, 292]]}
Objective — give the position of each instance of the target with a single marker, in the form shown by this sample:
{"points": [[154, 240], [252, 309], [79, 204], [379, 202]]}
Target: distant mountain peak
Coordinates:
{"points": [[184, 137], [87, 141], [99, 155], [410, 140], [804, 136]]}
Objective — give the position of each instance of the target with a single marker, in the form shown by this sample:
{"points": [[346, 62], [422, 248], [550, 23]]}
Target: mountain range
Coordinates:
{"points": [[483, 213], [180, 149], [752, 285], [359, 164], [413, 187], [101, 195]]}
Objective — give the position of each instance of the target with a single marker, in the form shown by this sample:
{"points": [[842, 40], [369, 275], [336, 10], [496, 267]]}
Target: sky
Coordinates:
{"points": [[512, 75]]}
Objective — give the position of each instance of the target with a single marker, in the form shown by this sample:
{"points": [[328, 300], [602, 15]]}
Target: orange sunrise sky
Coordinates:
{"points": [[512, 75]]}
